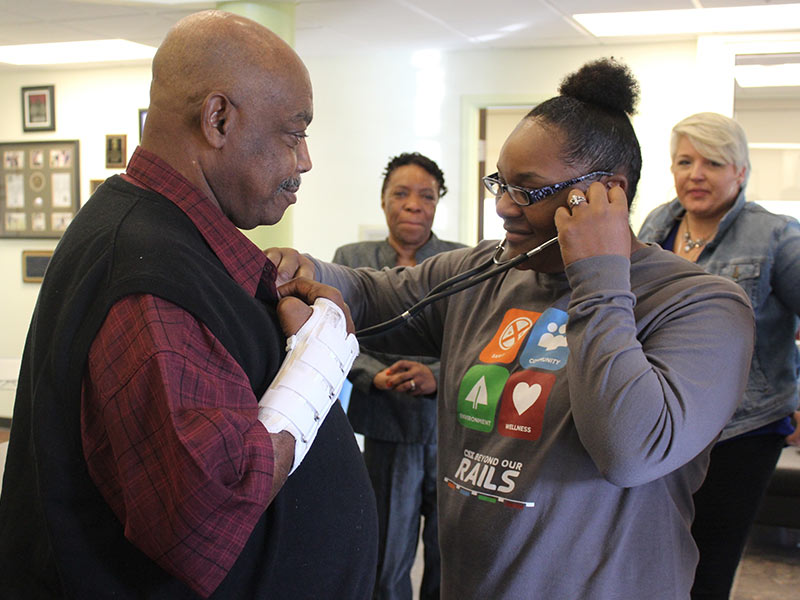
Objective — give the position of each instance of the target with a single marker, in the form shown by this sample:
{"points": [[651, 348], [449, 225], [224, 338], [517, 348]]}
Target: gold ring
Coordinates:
{"points": [[413, 385]]}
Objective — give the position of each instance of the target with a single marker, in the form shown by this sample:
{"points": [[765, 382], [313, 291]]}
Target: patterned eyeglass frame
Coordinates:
{"points": [[534, 194]]}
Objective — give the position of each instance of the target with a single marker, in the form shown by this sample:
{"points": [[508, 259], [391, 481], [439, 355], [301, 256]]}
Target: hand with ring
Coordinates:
{"points": [[408, 376], [594, 223]]}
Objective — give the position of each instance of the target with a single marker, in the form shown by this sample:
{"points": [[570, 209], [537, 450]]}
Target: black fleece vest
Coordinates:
{"points": [[58, 538]]}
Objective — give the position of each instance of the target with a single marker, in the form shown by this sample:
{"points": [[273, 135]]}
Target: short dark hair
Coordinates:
{"points": [[592, 112], [414, 158]]}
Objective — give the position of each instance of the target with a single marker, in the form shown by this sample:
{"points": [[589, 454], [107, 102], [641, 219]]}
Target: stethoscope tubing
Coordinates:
{"points": [[456, 284]]}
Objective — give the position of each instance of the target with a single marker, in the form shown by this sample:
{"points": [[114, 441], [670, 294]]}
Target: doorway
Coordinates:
{"points": [[495, 123]]}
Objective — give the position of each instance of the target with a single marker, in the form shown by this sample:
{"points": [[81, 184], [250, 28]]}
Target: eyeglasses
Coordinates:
{"points": [[527, 196]]}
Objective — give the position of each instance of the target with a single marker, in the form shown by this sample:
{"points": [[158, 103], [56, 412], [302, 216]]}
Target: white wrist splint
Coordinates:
{"points": [[318, 359]]}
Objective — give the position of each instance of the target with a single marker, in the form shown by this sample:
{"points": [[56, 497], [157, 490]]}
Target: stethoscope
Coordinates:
{"points": [[458, 283]]}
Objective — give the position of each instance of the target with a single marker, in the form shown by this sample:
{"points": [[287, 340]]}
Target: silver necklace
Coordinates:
{"points": [[688, 243]]}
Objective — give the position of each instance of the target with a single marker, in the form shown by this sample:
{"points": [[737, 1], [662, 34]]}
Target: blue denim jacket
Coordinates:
{"points": [[760, 251]]}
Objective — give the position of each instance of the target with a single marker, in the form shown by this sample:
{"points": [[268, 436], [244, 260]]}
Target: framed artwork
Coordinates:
{"points": [[116, 151], [38, 108], [142, 117], [94, 184], [34, 263], [39, 188]]}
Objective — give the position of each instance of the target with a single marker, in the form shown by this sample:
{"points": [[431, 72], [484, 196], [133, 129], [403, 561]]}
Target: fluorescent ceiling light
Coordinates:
{"points": [[767, 75], [776, 17], [59, 53]]}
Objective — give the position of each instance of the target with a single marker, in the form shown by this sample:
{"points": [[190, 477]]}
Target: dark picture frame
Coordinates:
{"points": [[38, 108], [34, 264], [116, 151], [39, 188]]}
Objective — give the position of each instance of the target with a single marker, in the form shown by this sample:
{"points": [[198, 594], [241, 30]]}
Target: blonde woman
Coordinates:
{"points": [[711, 224]]}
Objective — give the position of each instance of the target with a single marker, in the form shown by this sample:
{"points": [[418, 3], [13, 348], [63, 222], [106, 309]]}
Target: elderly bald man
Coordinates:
{"points": [[164, 443]]}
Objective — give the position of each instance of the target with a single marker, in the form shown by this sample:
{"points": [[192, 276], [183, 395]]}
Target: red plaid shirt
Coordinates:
{"points": [[169, 421]]}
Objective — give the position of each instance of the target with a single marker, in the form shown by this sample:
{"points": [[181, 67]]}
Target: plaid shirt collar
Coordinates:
{"points": [[243, 260]]}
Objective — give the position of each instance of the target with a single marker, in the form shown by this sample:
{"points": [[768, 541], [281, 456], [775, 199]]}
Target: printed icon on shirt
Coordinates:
{"points": [[547, 344], [522, 404], [504, 346], [478, 396]]}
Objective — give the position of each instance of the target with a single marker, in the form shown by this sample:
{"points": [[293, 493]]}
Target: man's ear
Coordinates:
{"points": [[217, 116]]}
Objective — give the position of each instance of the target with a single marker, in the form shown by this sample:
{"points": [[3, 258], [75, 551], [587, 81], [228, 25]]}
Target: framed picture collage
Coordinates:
{"points": [[39, 188]]}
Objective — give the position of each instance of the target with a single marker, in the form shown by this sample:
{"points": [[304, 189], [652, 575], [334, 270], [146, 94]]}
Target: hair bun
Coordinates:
{"points": [[604, 82]]}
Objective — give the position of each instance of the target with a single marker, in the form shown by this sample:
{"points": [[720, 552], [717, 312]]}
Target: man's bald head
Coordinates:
{"points": [[215, 50]]}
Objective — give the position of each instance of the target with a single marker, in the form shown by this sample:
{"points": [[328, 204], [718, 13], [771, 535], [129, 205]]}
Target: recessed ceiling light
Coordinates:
{"points": [[776, 17], [59, 53]]}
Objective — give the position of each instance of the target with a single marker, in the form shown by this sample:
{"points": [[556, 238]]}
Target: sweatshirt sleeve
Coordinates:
{"points": [[649, 397], [397, 290]]}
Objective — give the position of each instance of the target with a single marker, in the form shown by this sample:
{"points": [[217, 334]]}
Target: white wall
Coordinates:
{"points": [[365, 112], [773, 132], [90, 103], [367, 108]]}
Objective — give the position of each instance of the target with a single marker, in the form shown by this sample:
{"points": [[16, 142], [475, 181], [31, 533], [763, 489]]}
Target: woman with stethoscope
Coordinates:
{"points": [[574, 407]]}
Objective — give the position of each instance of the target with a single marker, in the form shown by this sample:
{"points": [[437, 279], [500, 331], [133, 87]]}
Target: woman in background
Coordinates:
{"points": [[711, 224]]}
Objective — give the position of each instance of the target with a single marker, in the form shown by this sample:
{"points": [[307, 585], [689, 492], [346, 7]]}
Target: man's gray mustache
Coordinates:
{"points": [[290, 184]]}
